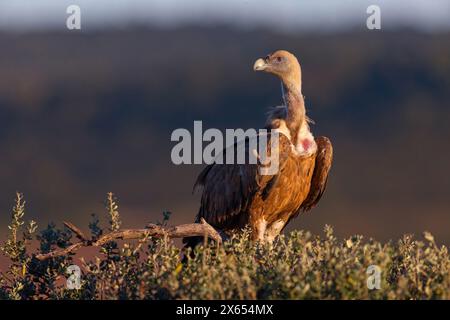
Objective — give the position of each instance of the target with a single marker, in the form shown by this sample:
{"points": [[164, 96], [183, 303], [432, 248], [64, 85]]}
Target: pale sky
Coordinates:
{"points": [[290, 14]]}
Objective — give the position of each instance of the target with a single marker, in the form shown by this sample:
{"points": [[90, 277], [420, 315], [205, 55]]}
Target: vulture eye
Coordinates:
{"points": [[279, 59]]}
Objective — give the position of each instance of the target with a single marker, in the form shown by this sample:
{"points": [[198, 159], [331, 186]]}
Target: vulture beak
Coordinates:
{"points": [[260, 65]]}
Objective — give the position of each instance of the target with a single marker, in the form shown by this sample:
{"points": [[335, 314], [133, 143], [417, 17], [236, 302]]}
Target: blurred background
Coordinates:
{"points": [[85, 112]]}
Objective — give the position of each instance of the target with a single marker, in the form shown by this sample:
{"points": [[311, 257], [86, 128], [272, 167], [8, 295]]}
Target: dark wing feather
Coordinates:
{"points": [[229, 188], [319, 179]]}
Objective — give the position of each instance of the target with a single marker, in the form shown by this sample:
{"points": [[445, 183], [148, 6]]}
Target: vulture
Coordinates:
{"points": [[237, 195]]}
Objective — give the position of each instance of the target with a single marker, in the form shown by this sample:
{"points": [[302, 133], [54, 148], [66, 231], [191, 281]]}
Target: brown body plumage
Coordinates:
{"points": [[235, 195]]}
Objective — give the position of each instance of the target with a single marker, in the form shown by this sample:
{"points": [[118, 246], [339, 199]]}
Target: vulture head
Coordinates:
{"points": [[284, 65]]}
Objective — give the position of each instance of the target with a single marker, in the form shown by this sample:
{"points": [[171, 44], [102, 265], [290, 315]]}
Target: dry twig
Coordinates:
{"points": [[202, 229]]}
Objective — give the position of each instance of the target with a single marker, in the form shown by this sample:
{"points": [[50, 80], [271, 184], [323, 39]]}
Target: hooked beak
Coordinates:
{"points": [[260, 65]]}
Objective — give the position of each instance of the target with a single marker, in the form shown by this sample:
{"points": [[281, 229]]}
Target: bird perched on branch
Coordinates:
{"points": [[236, 195]]}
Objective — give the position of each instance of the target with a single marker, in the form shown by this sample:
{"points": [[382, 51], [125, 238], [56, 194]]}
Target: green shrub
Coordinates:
{"points": [[296, 266]]}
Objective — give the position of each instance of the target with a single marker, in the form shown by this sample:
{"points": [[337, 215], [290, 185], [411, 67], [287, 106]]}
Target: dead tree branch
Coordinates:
{"points": [[202, 229]]}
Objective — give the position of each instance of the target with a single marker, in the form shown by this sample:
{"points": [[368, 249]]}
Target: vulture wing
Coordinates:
{"points": [[229, 188], [324, 159]]}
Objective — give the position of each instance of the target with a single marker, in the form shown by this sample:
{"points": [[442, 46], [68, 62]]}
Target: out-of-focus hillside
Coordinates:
{"points": [[86, 113]]}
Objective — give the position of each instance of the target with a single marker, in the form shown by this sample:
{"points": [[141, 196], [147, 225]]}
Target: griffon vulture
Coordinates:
{"points": [[236, 195]]}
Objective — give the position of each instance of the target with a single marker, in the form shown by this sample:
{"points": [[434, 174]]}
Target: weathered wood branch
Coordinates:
{"points": [[202, 229], [79, 234]]}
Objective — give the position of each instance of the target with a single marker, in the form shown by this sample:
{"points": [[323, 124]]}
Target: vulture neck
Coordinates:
{"points": [[296, 113]]}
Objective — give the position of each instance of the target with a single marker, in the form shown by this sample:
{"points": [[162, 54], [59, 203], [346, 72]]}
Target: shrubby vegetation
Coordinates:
{"points": [[296, 266]]}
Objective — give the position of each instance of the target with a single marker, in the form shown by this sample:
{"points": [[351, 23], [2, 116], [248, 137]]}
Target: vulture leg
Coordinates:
{"points": [[259, 229], [274, 230]]}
